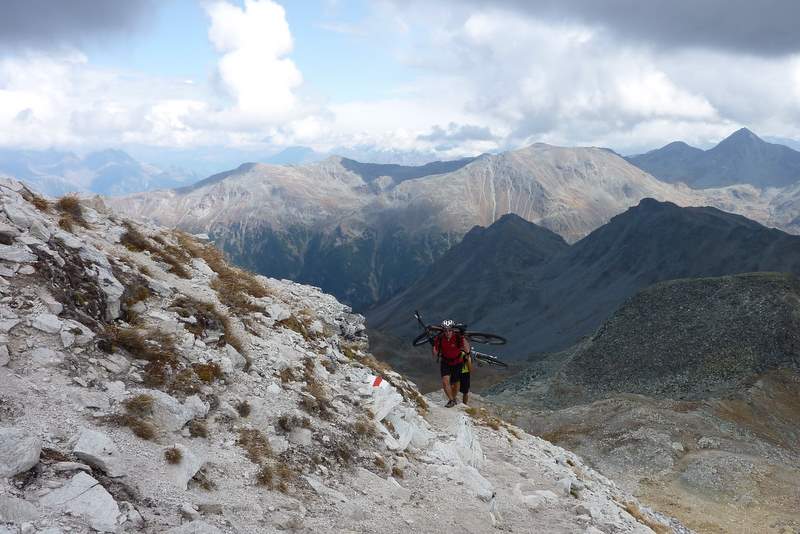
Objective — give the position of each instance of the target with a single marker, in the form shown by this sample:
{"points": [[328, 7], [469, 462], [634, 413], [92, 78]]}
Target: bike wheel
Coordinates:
{"points": [[421, 339], [486, 339], [490, 360]]}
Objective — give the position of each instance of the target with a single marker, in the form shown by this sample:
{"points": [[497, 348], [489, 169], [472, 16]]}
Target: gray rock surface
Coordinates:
{"points": [[97, 449], [19, 451], [84, 497], [14, 510]]}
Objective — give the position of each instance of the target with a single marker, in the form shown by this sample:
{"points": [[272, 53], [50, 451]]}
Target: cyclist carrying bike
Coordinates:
{"points": [[451, 347]]}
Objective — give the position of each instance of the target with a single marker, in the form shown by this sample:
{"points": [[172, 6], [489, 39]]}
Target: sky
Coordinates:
{"points": [[436, 79]]}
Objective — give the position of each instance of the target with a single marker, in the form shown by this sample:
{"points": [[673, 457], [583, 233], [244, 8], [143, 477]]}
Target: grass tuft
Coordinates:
{"points": [[173, 455], [208, 372], [244, 409], [255, 444], [140, 405], [659, 528], [198, 428]]}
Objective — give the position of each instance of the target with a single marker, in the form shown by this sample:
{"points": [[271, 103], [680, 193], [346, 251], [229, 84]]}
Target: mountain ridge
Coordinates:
{"points": [[740, 158]]}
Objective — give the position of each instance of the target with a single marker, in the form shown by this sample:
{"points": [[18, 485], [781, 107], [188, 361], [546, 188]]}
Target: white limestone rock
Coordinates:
{"points": [[97, 449], [84, 497], [19, 451], [15, 254], [47, 322], [5, 357], [14, 510], [46, 357], [236, 358], [168, 413], [182, 472]]}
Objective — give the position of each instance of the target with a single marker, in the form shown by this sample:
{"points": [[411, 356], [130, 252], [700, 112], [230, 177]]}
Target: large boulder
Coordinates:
{"points": [[84, 497], [97, 449], [19, 451]]}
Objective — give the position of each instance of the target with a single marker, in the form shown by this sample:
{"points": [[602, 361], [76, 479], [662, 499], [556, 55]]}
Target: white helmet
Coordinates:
{"points": [[448, 323]]}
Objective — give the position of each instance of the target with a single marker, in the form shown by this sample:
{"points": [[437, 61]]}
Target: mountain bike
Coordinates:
{"points": [[432, 330]]}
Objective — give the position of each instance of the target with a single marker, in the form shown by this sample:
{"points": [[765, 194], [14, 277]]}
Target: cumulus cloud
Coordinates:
{"points": [[37, 24], [254, 70]]}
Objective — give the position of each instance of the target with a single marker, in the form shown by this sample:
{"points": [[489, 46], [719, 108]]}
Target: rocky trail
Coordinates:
{"points": [[148, 386]]}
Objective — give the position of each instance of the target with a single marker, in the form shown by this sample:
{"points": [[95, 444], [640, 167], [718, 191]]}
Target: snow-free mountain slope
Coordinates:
{"points": [[365, 232], [147, 386], [557, 301]]}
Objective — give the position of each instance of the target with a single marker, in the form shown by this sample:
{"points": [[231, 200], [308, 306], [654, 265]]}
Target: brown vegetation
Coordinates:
{"points": [[659, 528], [39, 202], [397, 472], [288, 422], [255, 444], [243, 409], [173, 256], [173, 455], [208, 372], [71, 212], [139, 405], [198, 428]]}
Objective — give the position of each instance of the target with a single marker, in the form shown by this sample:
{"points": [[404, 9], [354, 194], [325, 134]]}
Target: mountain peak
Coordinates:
{"points": [[742, 135]]}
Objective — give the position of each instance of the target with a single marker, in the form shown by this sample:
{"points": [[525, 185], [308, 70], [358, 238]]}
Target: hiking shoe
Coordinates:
{"points": [[450, 403]]}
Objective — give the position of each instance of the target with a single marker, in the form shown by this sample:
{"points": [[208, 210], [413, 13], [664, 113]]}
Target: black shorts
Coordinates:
{"points": [[453, 370], [464, 383]]}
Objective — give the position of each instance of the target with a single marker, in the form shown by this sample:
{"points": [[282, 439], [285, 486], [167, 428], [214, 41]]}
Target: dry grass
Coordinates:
{"points": [[198, 428], [208, 372], [255, 444], [397, 472], [71, 212], [139, 405], [67, 224], [173, 455], [173, 256], [364, 428], [244, 409], [39, 202], [316, 402], [483, 417], [186, 381], [380, 463], [287, 375], [150, 345], [287, 422], [275, 476], [659, 528], [233, 285], [296, 325]]}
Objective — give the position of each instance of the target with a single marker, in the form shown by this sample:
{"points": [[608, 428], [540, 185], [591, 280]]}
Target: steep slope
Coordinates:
{"points": [[688, 394], [147, 386], [571, 294], [488, 269], [741, 158]]}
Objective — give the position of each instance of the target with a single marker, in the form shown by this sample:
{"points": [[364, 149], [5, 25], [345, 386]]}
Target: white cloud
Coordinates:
{"points": [[254, 41]]}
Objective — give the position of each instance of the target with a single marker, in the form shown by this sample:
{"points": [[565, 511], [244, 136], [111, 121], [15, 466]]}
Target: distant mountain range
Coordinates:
{"points": [[544, 295], [107, 172], [365, 231], [741, 158]]}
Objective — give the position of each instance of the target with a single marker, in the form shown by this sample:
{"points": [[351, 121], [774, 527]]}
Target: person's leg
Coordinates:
{"points": [[465, 386], [444, 369], [455, 381], [448, 390]]}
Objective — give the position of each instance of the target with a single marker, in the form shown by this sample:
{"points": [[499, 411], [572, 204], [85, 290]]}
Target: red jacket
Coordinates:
{"points": [[449, 349]]}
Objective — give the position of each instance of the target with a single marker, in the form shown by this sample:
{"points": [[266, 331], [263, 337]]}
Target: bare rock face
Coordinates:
{"points": [[97, 449], [19, 451], [195, 527], [13, 510], [84, 497]]}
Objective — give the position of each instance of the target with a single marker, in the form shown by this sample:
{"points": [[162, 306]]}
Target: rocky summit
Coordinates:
{"points": [[148, 386]]}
